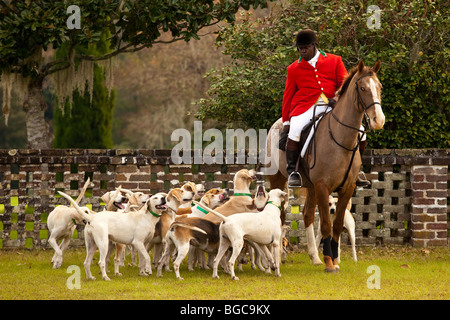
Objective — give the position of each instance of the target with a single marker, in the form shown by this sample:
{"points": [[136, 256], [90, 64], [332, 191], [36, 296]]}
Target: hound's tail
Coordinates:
{"points": [[221, 216], [83, 191], [178, 224], [83, 214]]}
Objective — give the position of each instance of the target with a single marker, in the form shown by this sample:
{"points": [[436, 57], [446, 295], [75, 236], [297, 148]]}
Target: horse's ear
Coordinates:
{"points": [[377, 66], [360, 66]]}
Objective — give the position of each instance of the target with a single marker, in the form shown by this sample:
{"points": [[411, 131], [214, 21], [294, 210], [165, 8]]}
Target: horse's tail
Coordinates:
{"points": [[221, 216]]}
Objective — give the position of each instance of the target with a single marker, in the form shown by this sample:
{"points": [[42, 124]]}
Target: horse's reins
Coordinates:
{"points": [[364, 107]]}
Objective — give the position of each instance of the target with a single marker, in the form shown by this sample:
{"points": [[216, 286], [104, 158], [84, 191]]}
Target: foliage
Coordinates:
{"points": [[412, 45], [29, 28], [88, 123]]}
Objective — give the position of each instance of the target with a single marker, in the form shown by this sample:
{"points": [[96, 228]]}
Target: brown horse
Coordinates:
{"points": [[334, 162]]}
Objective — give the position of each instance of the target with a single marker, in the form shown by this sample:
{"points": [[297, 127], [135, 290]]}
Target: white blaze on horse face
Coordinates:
{"points": [[377, 121]]}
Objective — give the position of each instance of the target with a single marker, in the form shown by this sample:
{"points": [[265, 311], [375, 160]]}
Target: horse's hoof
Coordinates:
{"points": [[330, 270], [317, 262], [329, 266]]}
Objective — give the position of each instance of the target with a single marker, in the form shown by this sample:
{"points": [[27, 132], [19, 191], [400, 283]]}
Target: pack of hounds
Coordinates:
{"points": [[186, 221]]}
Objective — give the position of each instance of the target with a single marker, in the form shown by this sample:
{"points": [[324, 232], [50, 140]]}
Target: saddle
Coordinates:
{"points": [[306, 136], [305, 145]]}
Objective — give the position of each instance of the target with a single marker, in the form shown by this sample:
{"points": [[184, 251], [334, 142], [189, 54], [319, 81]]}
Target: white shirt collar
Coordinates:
{"points": [[314, 59]]}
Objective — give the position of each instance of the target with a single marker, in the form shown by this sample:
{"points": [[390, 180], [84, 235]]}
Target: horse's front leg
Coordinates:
{"points": [[338, 223], [322, 193], [308, 218]]}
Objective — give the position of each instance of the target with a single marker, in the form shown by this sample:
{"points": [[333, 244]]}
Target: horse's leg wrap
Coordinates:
{"points": [[327, 251], [334, 249], [328, 255]]}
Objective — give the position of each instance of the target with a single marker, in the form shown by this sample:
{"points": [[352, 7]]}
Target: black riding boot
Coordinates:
{"points": [[292, 153], [362, 182]]}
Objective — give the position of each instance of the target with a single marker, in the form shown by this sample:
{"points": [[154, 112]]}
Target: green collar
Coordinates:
{"points": [[321, 52], [74, 222], [202, 210], [155, 214], [275, 204], [242, 194]]}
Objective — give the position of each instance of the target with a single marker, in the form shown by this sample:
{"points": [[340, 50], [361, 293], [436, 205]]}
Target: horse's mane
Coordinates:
{"points": [[349, 78]]}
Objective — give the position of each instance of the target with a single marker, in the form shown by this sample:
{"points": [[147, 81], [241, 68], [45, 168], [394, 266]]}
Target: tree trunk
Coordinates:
{"points": [[38, 135]]}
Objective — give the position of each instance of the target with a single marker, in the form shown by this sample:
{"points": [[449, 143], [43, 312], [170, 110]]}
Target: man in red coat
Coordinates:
{"points": [[311, 82]]}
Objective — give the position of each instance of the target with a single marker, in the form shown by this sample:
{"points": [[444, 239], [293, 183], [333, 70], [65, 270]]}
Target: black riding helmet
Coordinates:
{"points": [[305, 37]]}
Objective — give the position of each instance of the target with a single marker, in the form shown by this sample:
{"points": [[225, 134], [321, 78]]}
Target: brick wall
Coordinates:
{"points": [[407, 202], [429, 204]]}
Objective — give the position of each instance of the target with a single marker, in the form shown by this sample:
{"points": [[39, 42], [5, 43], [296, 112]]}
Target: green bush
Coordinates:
{"points": [[411, 44]]}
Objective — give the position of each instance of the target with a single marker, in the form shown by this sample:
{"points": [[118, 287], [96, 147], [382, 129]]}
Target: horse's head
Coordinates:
{"points": [[368, 91]]}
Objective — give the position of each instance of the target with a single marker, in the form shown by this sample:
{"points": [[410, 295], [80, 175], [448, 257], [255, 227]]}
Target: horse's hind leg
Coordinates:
{"points": [[308, 218], [277, 181]]}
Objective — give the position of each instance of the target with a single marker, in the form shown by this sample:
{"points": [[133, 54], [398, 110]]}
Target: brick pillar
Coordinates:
{"points": [[429, 205]]}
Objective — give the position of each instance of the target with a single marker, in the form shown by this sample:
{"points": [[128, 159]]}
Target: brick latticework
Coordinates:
{"points": [[407, 202]]}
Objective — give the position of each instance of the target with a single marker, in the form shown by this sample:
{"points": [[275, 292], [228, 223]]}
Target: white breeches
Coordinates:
{"points": [[297, 123]]}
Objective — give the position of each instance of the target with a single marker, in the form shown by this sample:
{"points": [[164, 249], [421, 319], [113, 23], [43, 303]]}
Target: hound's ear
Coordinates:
{"points": [[285, 196], [206, 200], [131, 198], [177, 194], [146, 205], [106, 197], [360, 66], [377, 66], [193, 187]]}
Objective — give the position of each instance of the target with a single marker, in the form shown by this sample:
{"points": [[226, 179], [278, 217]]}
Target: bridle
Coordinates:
{"points": [[361, 133], [361, 105], [360, 100]]}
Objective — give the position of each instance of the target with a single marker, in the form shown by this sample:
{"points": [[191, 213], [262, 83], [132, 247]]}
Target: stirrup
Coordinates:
{"points": [[362, 182], [295, 185]]}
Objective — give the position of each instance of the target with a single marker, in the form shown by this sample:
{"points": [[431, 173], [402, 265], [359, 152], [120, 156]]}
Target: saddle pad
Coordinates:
{"points": [[311, 133]]}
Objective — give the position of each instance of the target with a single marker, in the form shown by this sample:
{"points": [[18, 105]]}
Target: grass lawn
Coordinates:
{"points": [[406, 273]]}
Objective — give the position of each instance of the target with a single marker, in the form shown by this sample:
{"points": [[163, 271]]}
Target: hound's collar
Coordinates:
{"points": [[202, 210], [155, 214], [275, 204], [242, 194]]}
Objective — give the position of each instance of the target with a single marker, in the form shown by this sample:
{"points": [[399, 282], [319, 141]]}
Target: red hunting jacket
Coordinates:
{"points": [[304, 83]]}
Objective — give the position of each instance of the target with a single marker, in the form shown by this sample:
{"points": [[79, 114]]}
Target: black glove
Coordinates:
{"points": [[331, 102], [283, 138]]}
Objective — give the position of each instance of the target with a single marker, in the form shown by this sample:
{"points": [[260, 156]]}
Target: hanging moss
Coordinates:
{"points": [[84, 115]]}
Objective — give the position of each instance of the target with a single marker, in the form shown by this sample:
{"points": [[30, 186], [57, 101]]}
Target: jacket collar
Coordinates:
{"points": [[321, 52]]}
